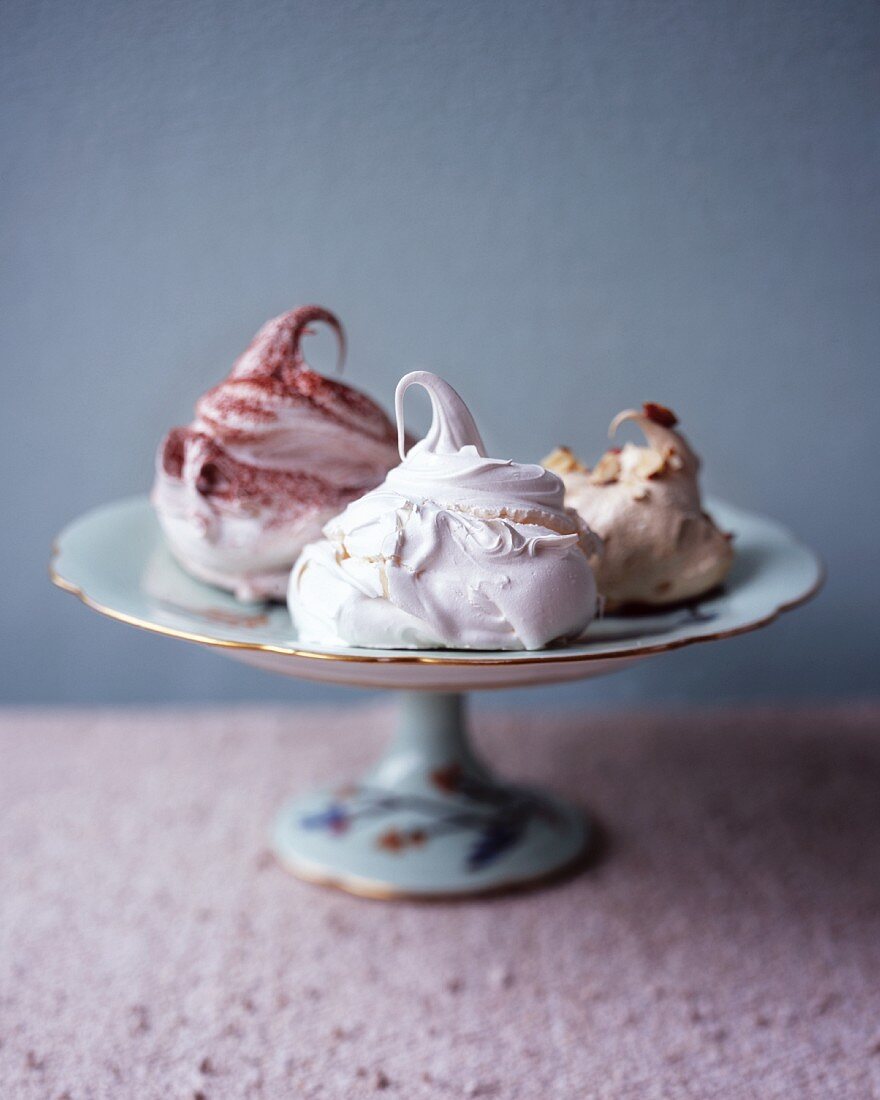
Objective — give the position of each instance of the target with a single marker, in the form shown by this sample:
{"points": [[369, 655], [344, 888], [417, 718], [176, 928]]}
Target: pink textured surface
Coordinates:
{"points": [[727, 945]]}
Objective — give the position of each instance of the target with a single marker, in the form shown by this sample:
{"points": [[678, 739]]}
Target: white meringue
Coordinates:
{"points": [[453, 550], [659, 545]]}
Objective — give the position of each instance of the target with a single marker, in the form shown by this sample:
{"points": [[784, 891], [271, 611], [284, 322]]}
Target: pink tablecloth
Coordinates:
{"points": [[727, 945]]}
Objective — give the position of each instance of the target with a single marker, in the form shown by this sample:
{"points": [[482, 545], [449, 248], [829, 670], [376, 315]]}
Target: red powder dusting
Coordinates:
{"points": [[252, 398], [276, 347], [272, 375], [269, 379], [173, 450], [224, 480]]}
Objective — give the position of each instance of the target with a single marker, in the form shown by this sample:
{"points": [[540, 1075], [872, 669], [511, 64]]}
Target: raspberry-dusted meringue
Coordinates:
{"points": [[453, 550], [273, 452], [660, 547]]}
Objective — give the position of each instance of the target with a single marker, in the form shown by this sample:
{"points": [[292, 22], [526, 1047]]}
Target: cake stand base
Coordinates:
{"points": [[430, 820]]}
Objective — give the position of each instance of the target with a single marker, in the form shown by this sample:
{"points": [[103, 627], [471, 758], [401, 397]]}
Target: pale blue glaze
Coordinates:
{"points": [[429, 819]]}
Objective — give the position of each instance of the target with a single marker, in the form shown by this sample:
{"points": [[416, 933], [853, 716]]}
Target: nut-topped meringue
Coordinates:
{"points": [[454, 550], [273, 452], [659, 545]]}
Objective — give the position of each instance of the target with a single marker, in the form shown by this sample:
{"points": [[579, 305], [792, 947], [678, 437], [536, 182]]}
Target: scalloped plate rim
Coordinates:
{"points": [[587, 650]]}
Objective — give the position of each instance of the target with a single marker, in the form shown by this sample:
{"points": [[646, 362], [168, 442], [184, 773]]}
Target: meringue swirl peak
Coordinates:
{"points": [[455, 549]]}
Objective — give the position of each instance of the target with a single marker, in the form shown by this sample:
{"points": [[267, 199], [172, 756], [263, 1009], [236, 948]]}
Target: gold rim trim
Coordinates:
{"points": [[416, 659], [377, 890]]}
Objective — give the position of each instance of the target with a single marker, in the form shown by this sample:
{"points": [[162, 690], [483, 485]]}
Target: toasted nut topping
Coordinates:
{"points": [[650, 463], [563, 461], [606, 470]]}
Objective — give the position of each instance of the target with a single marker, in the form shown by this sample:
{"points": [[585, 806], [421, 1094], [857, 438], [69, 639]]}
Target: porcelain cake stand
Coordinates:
{"points": [[430, 819]]}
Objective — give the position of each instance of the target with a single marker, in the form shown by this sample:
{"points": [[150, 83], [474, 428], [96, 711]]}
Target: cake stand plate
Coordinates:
{"points": [[430, 820]]}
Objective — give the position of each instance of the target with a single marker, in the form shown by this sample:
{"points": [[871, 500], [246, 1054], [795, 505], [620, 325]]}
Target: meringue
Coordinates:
{"points": [[453, 550], [659, 545], [273, 452]]}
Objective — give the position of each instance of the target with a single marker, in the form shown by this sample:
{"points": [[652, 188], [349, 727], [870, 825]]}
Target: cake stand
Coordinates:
{"points": [[430, 819]]}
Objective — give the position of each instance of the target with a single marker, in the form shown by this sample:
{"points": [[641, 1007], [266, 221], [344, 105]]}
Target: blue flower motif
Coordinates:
{"points": [[335, 819], [492, 842], [498, 825]]}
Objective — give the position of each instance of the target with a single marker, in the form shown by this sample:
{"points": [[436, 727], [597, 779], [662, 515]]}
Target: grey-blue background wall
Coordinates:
{"points": [[565, 208]]}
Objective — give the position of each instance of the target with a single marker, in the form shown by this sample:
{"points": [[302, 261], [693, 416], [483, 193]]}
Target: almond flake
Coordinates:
{"points": [[563, 461], [650, 464], [606, 470]]}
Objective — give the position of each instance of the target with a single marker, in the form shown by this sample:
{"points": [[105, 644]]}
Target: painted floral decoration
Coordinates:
{"points": [[498, 817]]}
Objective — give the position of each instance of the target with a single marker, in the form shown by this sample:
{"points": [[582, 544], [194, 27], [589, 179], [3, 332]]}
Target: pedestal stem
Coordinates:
{"points": [[429, 733], [430, 819]]}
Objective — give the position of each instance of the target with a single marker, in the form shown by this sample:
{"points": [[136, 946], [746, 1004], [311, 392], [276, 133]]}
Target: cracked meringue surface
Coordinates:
{"points": [[454, 550], [273, 452], [659, 545]]}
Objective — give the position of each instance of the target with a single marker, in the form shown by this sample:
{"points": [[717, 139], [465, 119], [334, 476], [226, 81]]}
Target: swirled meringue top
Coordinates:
{"points": [[272, 452], [660, 546], [455, 549], [450, 466], [274, 412]]}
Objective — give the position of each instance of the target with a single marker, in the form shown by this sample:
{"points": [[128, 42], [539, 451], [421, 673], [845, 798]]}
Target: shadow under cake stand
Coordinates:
{"points": [[430, 819]]}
